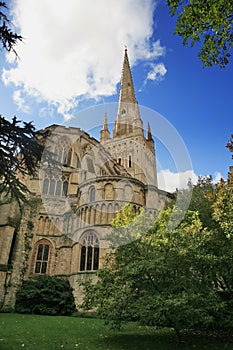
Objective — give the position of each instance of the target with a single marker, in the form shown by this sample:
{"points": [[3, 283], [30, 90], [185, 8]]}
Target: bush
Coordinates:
{"points": [[45, 295]]}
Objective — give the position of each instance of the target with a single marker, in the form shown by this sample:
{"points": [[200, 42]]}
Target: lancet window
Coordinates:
{"points": [[89, 259], [55, 185], [43, 250], [63, 151]]}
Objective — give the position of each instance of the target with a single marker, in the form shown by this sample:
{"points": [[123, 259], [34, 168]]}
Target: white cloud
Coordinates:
{"points": [[170, 181], [20, 101], [217, 177], [74, 49], [157, 72]]}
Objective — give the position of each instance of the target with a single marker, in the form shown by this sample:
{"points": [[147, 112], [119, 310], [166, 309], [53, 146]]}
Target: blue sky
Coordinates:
{"points": [[71, 59]]}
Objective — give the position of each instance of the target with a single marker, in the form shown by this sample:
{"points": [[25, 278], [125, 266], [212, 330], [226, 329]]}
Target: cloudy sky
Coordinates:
{"points": [[71, 59]]}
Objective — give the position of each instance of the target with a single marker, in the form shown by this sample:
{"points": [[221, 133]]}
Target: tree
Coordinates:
{"points": [[207, 22], [21, 145], [45, 295], [8, 38], [164, 278], [129, 225], [223, 206], [200, 197], [202, 200], [230, 144], [20, 151]]}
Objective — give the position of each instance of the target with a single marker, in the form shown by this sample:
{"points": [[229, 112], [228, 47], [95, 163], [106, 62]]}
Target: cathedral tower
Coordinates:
{"points": [[129, 146]]}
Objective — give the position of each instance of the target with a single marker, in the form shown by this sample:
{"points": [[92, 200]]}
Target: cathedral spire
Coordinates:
{"points": [[128, 120], [127, 93], [104, 133]]}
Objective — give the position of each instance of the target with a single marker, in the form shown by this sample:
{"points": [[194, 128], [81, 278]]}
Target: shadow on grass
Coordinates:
{"points": [[131, 342], [165, 340]]}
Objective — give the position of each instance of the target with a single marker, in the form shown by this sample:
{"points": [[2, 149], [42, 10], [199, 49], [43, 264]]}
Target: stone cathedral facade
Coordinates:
{"points": [[63, 230]]}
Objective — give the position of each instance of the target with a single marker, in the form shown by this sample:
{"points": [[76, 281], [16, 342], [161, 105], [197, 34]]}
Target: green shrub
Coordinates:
{"points": [[45, 295]]}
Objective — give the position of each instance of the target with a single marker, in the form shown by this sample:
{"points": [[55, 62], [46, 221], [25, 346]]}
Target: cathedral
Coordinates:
{"points": [[63, 230]]}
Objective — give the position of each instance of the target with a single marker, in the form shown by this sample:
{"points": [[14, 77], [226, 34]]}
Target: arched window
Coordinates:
{"points": [[63, 151], [128, 192], [92, 194], [67, 157], [58, 188], [52, 187], [56, 185], [42, 257], [65, 188], [108, 192], [45, 186], [89, 260], [90, 165], [130, 161]]}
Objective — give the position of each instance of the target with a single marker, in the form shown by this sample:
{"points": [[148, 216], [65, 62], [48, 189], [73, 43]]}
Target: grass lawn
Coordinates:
{"points": [[34, 332]]}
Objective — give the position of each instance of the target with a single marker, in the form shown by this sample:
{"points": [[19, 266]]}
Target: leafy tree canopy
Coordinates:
{"points": [[209, 23], [129, 225], [169, 278], [203, 197], [223, 206]]}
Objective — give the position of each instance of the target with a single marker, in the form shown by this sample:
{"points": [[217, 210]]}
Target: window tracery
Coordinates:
{"points": [[63, 151], [89, 259], [55, 185], [43, 250]]}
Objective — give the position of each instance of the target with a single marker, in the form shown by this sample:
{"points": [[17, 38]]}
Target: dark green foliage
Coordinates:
{"points": [[209, 23], [8, 38], [20, 152], [15, 138], [45, 295], [230, 144], [203, 197], [223, 206]]}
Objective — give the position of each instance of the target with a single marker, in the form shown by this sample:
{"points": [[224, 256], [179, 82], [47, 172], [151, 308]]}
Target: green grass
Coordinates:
{"points": [[34, 332]]}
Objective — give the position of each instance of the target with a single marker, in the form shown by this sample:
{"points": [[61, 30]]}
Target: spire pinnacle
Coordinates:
{"points": [[105, 123], [148, 134], [104, 133]]}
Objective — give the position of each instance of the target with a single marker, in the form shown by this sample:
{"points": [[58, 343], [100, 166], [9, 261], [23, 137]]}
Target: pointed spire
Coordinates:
{"points": [[127, 93], [148, 133], [149, 139], [104, 133], [128, 118], [105, 123]]}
